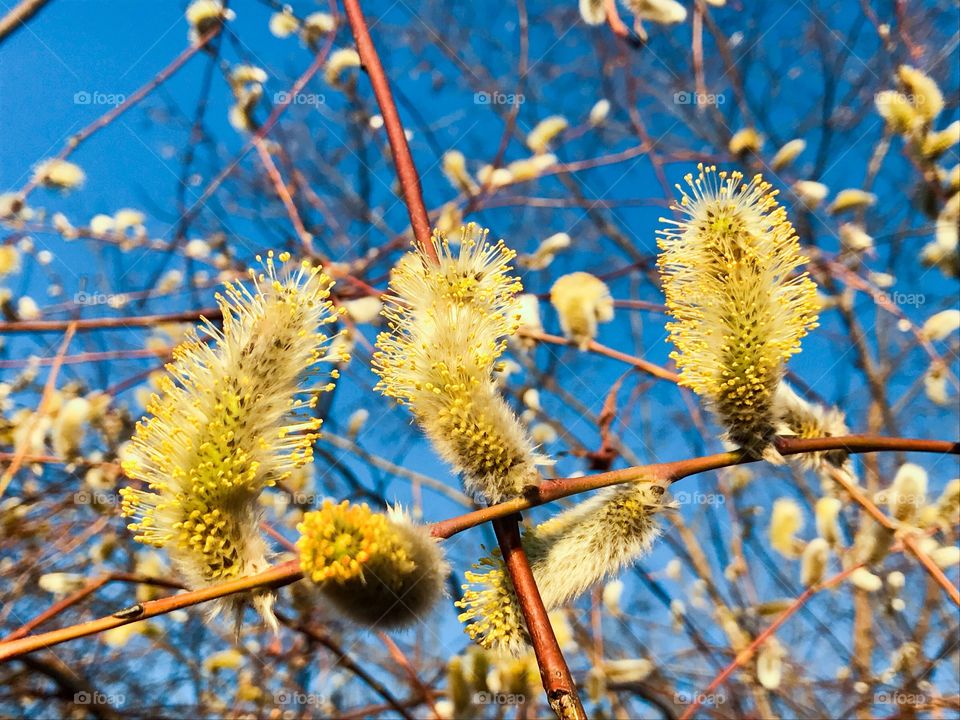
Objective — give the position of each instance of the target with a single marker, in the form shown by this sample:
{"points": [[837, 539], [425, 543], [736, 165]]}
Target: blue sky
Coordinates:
{"points": [[109, 48]]}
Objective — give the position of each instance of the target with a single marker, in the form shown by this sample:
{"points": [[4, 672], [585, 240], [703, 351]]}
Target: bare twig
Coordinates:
{"points": [[403, 160]]}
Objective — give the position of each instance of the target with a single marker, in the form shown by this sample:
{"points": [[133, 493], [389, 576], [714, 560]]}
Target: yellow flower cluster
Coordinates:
{"points": [[448, 326], [232, 420], [380, 570], [336, 542], [729, 275]]}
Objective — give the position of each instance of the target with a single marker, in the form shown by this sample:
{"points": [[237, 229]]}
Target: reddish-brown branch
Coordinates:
{"points": [[284, 194], [613, 20], [289, 572], [669, 472], [557, 681], [110, 323], [278, 109], [277, 576], [402, 159], [88, 589], [907, 537], [594, 346], [18, 16]]}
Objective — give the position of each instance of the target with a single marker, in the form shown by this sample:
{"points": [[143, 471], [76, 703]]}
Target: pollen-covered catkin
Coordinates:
{"points": [[740, 308], [379, 569], [233, 419], [613, 528], [448, 326]]}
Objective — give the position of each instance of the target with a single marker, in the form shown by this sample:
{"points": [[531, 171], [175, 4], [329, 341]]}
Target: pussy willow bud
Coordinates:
{"points": [[613, 528]]}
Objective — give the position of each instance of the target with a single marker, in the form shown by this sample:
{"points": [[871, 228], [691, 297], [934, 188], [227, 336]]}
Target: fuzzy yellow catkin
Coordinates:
{"points": [[613, 528], [582, 302], [897, 111], [770, 663], [826, 513], [664, 12], [937, 143], [941, 325], [746, 140], [925, 95], [338, 63], [786, 520], [865, 580], [204, 15], [788, 153], [739, 305], [544, 133], [599, 112], [283, 24], [851, 199], [448, 325], [233, 418], [59, 174], [379, 569], [813, 562], [907, 493], [810, 192], [593, 12], [455, 168]]}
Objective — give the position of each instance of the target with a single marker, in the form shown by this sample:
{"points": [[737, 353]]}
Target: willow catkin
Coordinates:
{"points": [[233, 418], [612, 530], [379, 569], [448, 325], [740, 307]]}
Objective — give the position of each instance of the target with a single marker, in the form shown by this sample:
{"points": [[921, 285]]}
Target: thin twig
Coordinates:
{"points": [[48, 389], [743, 657], [18, 16], [277, 576], [289, 572], [402, 159]]}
